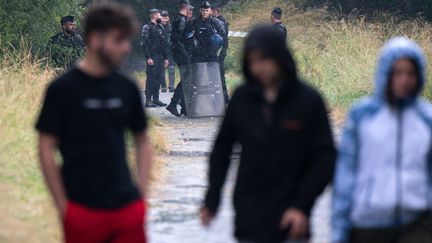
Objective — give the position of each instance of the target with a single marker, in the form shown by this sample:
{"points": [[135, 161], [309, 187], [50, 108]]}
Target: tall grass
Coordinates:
{"points": [[334, 52], [26, 212]]}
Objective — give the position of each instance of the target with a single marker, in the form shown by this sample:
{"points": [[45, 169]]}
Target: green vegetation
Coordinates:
{"points": [[335, 54]]}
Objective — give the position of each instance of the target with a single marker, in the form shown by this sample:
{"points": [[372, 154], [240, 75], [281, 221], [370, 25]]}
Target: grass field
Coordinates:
{"points": [[336, 54]]}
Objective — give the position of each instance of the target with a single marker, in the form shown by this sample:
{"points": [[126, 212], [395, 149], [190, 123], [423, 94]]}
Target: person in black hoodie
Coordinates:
{"points": [[287, 150]]}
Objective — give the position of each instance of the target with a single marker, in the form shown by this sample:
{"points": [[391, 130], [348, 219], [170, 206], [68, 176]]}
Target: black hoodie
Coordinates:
{"points": [[287, 155]]}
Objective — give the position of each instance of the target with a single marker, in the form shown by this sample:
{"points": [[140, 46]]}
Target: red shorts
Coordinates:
{"points": [[86, 225]]}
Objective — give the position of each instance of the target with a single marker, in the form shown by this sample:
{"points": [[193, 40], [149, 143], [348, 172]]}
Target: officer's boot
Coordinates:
{"points": [[183, 107], [157, 102], [172, 108], [149, 103]]}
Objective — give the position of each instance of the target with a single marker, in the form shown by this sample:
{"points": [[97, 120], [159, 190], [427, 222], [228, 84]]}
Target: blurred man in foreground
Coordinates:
{"points": [[67, 47], [384, 171], [155, 47], [217, 13], [276, 19], [85, 115], [287, 155], [171, 67]]}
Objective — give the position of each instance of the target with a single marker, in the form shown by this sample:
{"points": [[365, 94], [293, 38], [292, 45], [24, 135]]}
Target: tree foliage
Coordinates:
{"points": [[33, 21]]}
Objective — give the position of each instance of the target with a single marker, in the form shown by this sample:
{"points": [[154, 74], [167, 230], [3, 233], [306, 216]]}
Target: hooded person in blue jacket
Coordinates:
{"points": [[382, 186]]}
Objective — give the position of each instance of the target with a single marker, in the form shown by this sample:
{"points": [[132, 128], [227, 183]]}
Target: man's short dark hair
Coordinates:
{"points": [[102, 17], [184, 4], [277, 13]]}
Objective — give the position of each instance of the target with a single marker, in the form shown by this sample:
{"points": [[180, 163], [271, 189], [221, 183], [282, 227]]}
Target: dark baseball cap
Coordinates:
{"points": [[277, 11], [66, 19], [185, 2], [205, 5], [164, 13], [216, 5], [153, 11]]}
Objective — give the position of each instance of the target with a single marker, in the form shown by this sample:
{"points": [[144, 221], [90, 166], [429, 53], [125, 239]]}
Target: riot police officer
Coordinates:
{"points": [[66, 47], [276, 19], [155, 51], [171, 68], [204, 35], [181, 54], [217, 13]]}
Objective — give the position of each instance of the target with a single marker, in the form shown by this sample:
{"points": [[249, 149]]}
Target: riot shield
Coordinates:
{"points": [[202, 88]]}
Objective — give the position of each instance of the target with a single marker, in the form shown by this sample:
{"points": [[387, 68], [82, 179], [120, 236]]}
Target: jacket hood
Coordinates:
{"points": [[395, 49], [272, 44]]}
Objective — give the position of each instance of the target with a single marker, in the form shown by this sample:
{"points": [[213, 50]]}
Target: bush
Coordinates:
{"points": [[34, 21]]}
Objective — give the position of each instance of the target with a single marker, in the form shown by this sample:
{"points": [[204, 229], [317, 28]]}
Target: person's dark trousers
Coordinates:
{"points": [[223, 80], [155, 76], [171, 76], [178, 96], [418, 232]]}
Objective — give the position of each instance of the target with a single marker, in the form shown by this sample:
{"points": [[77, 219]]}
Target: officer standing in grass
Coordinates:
{"points": [[217, 13], [276, 19], [181, 54], [66, 47], [155, 49], [171, 67], [205, 35]]}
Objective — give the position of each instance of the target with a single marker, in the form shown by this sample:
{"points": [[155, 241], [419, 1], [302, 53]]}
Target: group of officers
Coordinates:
{"points": [[183, 41]]}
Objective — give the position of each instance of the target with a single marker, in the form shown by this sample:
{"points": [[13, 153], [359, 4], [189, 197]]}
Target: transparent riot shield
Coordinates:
{"points": [[202, 89]]}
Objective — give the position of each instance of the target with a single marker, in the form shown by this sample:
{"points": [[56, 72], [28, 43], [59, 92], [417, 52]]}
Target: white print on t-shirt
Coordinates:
{"points": [[111, 103]]}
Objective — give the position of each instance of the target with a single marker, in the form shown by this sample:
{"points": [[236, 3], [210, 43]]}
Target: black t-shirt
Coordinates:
{"points": [[89, 116]]}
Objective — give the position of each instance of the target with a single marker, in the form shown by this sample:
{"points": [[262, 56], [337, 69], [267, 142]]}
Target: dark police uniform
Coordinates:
{"points": [[222, 56], [181, 55], [277, 13], [65, 50], [155, 47], [201, 31], [282, 29]]}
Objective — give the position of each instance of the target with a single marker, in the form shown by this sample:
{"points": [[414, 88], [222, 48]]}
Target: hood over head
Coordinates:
{"points": [[271, 43], [394, 50]]}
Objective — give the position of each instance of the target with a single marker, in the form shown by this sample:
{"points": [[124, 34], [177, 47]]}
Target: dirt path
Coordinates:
{"points": [[176, 199]]}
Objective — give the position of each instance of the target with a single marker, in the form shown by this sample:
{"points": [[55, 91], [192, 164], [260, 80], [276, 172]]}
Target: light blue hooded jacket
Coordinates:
{"points": [[383, 173]]}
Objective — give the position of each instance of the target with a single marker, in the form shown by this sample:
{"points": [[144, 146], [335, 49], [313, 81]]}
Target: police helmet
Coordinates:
{"points": [[216, 43]]}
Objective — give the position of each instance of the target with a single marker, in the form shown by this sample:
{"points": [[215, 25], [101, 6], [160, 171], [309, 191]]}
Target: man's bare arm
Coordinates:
{"points": [[51, 170], [144, 151]]}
